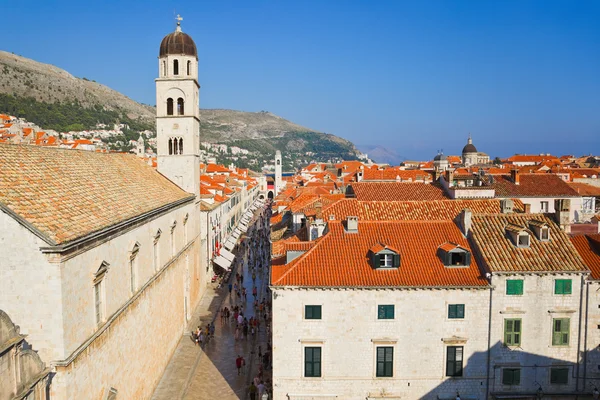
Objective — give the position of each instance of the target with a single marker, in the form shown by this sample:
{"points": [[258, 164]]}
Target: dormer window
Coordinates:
{"points": [[384, 257], [519, 235], [545, 234], [541, 230], [454, 255]]}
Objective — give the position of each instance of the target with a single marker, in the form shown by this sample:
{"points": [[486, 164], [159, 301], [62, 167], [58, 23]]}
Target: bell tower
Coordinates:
{"points": [[278, 178], [178, 111]]}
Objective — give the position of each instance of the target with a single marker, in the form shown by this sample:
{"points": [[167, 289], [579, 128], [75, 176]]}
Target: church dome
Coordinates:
{"points": [[469, 148], [440, 157], [178, 43]]}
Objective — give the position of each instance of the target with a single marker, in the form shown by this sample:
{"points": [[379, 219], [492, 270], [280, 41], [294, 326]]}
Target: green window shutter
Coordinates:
{"points": [[468, 258], [560, 331], [376, 260], [460, 310], [396, 260], [451, 311], [514, 287], [559, 375], [385, 311], [456, 311], [562, 286], [512, 332], [568, 286], [312, 312]]}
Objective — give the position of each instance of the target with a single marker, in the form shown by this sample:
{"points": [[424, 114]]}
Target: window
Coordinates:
{"points": [[312, 312], [458, 258], [173, 240], [385, 260], [385, 362], [164, 65], [587, 204], [132, 269], [545, 234], [514, 287], [456, 311], [511, 376], [169, 106], [98, 289], [562, 286], [312, 362], [512, 332], [559, 375], [560, 331], [180, 106], [189, 67], [454, 360], [523, 240], [385, 311], [170, 146], [180, 146], [544, 206], [155, 255], [175, 67]]}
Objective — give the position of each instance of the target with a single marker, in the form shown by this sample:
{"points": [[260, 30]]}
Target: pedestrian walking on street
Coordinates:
{"points": [[254, 291], [261, 389], [238, 364], [252, 391]]}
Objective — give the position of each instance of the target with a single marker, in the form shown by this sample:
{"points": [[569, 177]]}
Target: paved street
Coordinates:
{"points": [[210, 372]]}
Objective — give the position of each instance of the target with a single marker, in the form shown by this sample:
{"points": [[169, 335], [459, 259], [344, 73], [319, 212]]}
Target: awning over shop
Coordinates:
{"points": [[243, 227], [227, 254], [222, 262], [229, 244]]}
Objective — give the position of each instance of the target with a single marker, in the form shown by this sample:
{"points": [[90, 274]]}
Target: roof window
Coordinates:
{"points": [[453, 255], [384, 257], [541, 230], [519, 235]]}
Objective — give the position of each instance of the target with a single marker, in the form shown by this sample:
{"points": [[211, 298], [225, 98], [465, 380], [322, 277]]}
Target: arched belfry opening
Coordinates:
{"points": [[169, 106], [175, 67], [180, 106], [164, 68], [180, 145], [189, 68]]}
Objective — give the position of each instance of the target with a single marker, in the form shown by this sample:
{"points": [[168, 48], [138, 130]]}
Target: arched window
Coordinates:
{"points": [[164, 65], [180, 146], [170, 146], [176, 67], [180, 106], [189, 67], [169, 106]]}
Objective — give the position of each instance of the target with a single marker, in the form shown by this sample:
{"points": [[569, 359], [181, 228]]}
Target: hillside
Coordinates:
{"points": [[55, 99]]}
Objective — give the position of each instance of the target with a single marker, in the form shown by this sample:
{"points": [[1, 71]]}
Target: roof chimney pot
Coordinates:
{"points": [[352, 224]]}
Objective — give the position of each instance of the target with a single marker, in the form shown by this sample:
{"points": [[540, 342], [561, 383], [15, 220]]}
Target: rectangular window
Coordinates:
{"points": [[386, 260], [173, 242], [514, 287], [511, 376], [562, 286], [456, 311], [132, 268], [312, 362], [385, 362], [454, 361], [512, 332], [545, 234], [385, 311], [98, 302], [544, 206], [560, 331], [559, 375], [312, 312]]}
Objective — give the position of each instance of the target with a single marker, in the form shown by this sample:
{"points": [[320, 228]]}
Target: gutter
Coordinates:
{"points": [[118, 227]]}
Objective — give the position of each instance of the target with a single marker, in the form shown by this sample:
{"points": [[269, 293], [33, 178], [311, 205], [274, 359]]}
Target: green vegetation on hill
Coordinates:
{"points": [[64, 117]]}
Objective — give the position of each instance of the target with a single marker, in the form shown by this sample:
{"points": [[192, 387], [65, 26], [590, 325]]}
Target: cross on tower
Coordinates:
{"points": [[178, 19]]}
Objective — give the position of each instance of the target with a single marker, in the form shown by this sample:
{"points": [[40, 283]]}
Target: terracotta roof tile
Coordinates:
{"points": [[583, 189], [67, 194], [588, 247], [394, 191], [342, 260], [533, 185], [411, 210], [501, 255]]}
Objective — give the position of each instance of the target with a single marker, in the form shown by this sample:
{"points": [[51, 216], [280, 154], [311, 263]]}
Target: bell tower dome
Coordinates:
{"points": [[178, 111]]}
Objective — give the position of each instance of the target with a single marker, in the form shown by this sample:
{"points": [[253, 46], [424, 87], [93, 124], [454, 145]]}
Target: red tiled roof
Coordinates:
{"points": [[67, 194], [411, 210], [396, 191], [501, 255], [533, 185], [342, 259], [392, 174], [583, 189], [588, 247]]}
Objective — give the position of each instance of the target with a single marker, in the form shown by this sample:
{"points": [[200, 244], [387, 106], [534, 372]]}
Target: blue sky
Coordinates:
{"points": [[413, 76]]}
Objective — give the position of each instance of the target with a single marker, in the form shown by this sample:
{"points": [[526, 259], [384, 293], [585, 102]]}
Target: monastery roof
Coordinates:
{"points": [[500, 254], [533, 185], [67, 194], [397, 191], [342, 259], [411, 210], [588, 247]]}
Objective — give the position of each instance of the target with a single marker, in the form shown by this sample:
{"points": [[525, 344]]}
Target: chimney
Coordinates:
{"points": [[450, 177], [514, 175], [562, 214], [506, 206], [465, 221], [352, 224], [527, 208], [319, 210]]}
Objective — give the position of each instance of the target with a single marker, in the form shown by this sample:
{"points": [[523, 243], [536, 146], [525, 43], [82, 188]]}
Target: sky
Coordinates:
{"points": [[410, 76]]}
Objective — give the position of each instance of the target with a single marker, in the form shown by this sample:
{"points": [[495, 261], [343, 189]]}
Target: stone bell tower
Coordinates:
{"points": [[178, 111], [278, 177]]}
